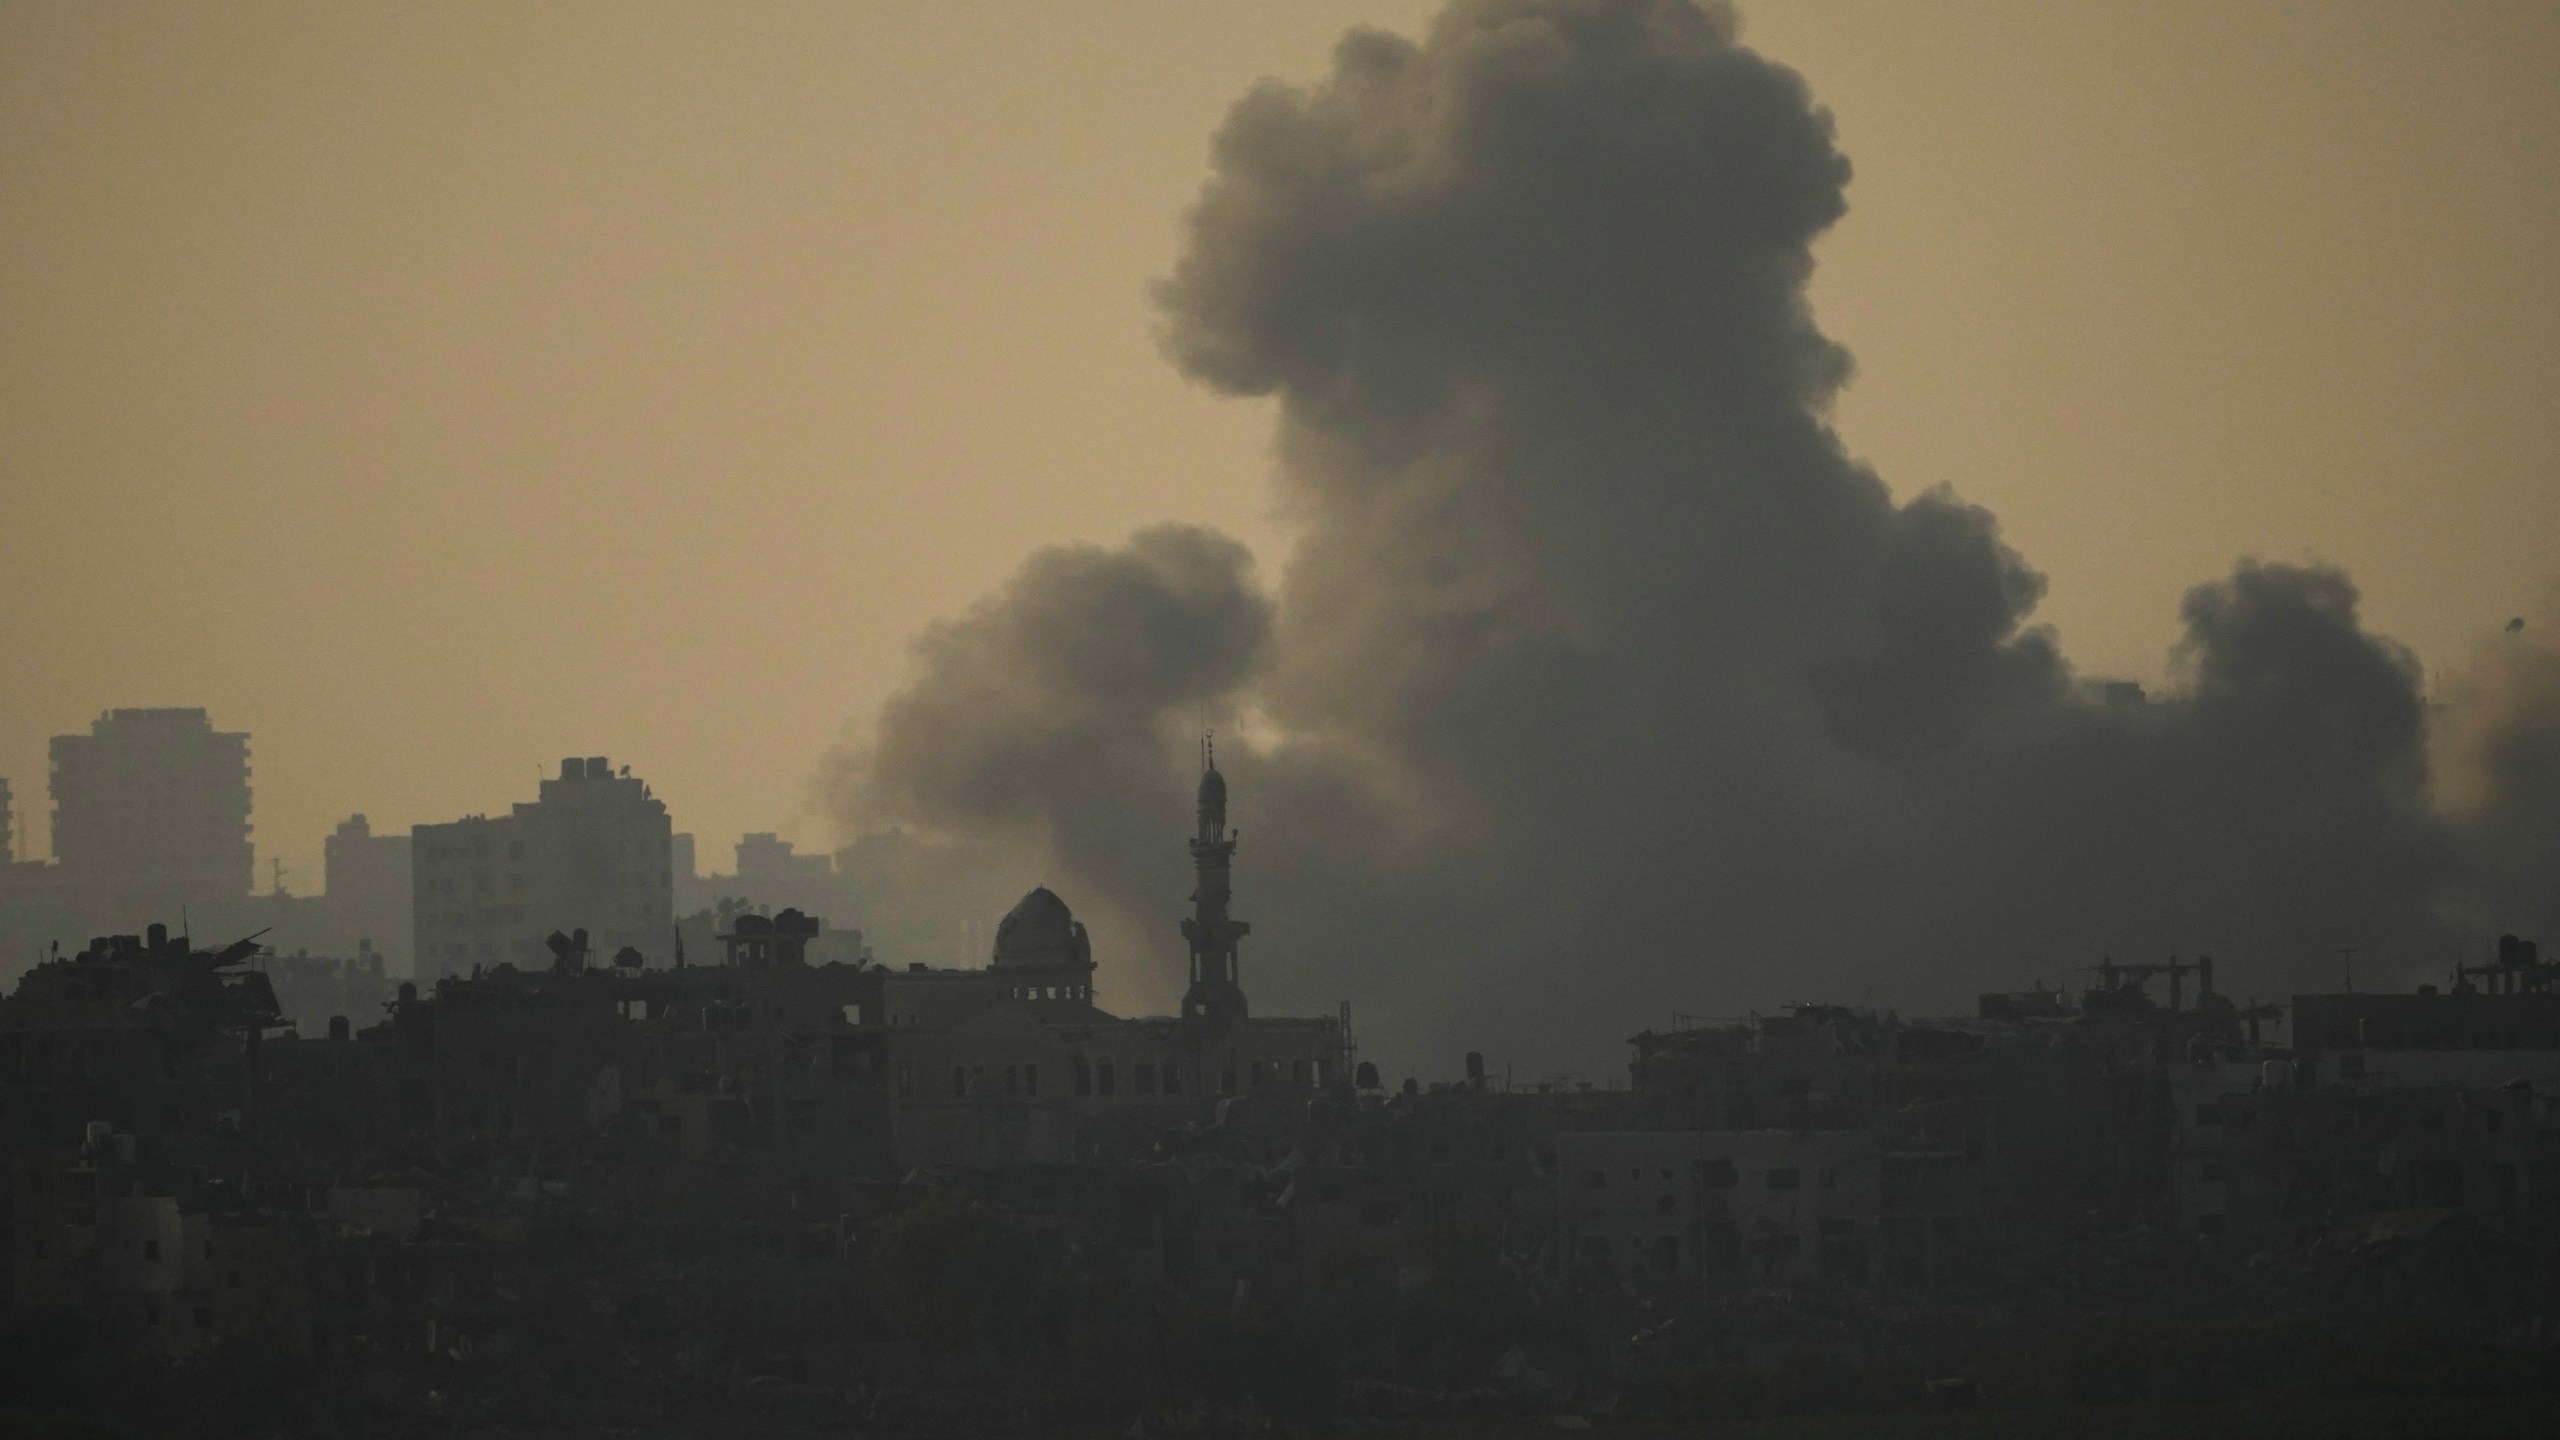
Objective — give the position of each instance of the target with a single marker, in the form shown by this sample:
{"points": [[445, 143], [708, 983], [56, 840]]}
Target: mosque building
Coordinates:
{"points": [[1016, 1064]]}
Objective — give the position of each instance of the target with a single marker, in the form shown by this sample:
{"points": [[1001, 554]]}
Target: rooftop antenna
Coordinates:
{"points": [[2347, 958]]}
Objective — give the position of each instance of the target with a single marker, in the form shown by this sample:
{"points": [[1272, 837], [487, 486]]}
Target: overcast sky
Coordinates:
{"points": [[436, 391]]}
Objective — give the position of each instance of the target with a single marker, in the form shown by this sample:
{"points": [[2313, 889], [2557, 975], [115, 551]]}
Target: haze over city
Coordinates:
{"points": [[451, 390], [1101, 720]]}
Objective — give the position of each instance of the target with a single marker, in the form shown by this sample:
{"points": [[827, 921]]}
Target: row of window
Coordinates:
{"points": [[1051, 992], [1101, 1078], [2240, 1117]]}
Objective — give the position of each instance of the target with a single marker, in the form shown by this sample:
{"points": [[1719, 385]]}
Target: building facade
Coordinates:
{"points": [[1015, 1063], [594, 852], [151, 812], [369, 890]]}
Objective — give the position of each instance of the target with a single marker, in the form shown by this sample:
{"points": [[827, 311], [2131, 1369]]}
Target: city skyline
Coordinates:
{"points": [[2140, 406], [1472, 717]]}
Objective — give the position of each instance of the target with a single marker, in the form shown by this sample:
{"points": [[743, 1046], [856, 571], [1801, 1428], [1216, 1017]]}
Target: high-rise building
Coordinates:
{"points": [[369, 887], [594, 853], [151, 812], [8, 824]]}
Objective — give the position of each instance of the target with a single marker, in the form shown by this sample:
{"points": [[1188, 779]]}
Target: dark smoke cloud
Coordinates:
{"points": [[2500, 750], [1040, 723], [1601, 681]]}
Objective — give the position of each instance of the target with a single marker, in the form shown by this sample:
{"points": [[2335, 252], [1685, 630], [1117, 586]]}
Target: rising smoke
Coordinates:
{"points": [[1601, 681]]}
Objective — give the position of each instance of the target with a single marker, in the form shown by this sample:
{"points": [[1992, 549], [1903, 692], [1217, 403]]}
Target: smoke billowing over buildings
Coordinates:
{"points": [[2115, 1053], [1598, 663]]}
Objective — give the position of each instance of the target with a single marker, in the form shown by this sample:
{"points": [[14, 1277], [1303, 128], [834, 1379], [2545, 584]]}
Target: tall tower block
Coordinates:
{"points": [[1215, 998]]}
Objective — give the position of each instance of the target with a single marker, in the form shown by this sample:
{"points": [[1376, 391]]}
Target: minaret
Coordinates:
{"points": [[1215, 997]]}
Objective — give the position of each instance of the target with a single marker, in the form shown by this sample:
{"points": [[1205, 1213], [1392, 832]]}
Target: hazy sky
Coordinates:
{"points": [[436, 391]]}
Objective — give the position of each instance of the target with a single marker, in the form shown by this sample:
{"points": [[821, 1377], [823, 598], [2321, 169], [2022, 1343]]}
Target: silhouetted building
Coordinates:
{"points": [[151, 812], [312, 989], [370, 888], [593, 853], [769, 873]]}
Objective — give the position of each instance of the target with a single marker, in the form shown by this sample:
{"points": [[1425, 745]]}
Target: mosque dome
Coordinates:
{"points": [[1040, 930]]}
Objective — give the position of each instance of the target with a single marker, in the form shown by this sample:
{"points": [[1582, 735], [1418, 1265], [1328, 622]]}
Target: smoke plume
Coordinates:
{"points": [[1601, 681]]}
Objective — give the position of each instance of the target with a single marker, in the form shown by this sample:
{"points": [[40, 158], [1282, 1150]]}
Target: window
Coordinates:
{"points": [[2208, 1113], [1664, 1203], [1297, 1072], [1105, 1078], [151, 1250], [204, 1317], [1784, 1180], [1012, 1080], [1595, 1179], [1031, 1080], [1083, 1074], [2492, 1121], [959, 1081], [1142, 1078], [1256, 1074], [1172, 1077], [1827, 1178], [906, 1082]]}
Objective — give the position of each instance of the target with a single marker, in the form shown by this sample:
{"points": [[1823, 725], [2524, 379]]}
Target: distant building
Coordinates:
{"points": [[151, 812], [1741, 1207], [370, 888], [8, 824], [594, 853], [770, 873], [1015, 1064]]}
